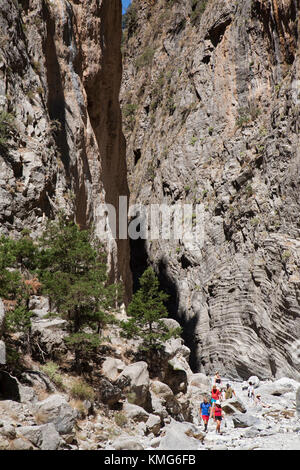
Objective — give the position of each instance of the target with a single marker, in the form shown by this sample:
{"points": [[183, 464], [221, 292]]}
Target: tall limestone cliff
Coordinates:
{"points": [[211, 100], [61, 140]]}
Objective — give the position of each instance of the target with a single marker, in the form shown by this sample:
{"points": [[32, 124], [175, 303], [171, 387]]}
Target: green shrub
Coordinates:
{"points": [[131, 397], [83, 391], [193, 140], [286, 255], [6, 126], [243, 117], [129, 110], [146, 58], [50, 369], [198, 8], [120, 419], [171, 105], [249, 190], [18, 319]]}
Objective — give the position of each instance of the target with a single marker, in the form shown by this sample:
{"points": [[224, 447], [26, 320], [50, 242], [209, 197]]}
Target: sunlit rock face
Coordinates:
{"points": [[210, 99], [60, 74]]}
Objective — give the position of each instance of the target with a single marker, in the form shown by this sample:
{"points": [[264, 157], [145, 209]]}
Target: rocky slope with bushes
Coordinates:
{"points": [[127, 408], [210, 100]]}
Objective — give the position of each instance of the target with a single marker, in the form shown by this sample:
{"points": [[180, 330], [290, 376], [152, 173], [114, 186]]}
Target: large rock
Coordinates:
{"points": [[112, 367], [163, 401], [27, 394], [39, 306], [280, 387], [109, 393], [177, 373], [56, 410], [7, 430], [181, 436], [232, 405], [136, 413], [200, 381], [44, 437], [153, 424], [49, 335], [22, 443], [127, 443], [245, 420], [135, 378], [176, 347]]}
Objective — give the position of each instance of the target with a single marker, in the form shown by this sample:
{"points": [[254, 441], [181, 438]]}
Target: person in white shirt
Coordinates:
{"points": [[251, 394]]}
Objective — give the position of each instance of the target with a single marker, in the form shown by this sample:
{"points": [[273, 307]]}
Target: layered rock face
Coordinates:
{"points": [[210, 101], [60, 73]]}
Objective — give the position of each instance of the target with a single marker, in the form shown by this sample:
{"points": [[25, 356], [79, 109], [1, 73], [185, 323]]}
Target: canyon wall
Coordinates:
{"points": [[211, 99], [60, 75]]}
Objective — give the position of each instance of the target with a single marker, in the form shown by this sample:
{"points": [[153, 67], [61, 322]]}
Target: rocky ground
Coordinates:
{"points": [[134, 409]]}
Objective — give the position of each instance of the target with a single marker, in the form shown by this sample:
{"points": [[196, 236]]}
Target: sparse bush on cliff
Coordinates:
{"points": [[145, 59], [198, 8], [6, 126]]}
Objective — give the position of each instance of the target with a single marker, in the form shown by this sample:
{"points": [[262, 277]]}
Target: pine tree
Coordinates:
{"points": [[72, 269], [146, 311]]}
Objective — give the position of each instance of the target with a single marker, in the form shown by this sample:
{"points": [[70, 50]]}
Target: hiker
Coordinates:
{"points": [[218, 415], [215, 395], [251, 394], [222, 394], [218, 380], [205, 408], [229, 392]]}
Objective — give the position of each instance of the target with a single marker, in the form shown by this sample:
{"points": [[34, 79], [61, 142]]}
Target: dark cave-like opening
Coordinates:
{"points": [[139, 261], [9, 389]]}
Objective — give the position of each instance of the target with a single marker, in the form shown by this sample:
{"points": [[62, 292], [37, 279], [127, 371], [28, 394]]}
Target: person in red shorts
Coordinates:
{"points": [[205, 409]]}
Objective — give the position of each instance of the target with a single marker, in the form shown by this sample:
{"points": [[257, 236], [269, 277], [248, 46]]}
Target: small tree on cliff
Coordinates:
{"points": [[72, 269], [146, 311]]}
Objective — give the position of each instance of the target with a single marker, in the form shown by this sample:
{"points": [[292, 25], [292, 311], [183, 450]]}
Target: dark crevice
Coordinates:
{"points": [[56, 100], [185, 262], [9, 389], [137, 155], [138, 260], [215, 34], [206, 59]]}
